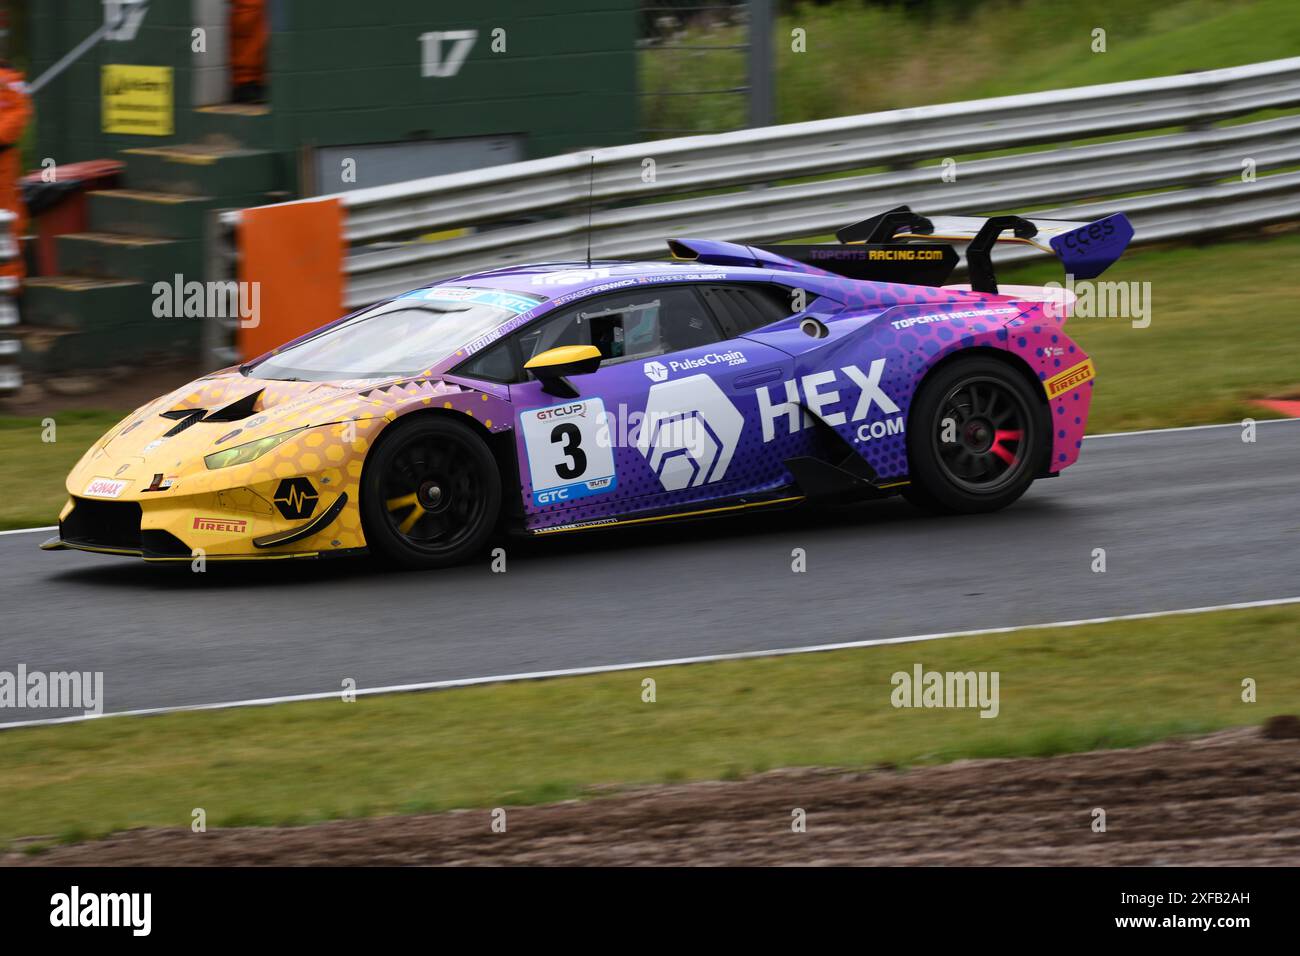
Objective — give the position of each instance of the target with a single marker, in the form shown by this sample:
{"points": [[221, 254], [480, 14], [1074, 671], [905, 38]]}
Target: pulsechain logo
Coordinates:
{"points": [[53, 690], [658, 372], [179, 299], [689, 432], [622, 429], [957, 689], [813, 393], [75, 909]]}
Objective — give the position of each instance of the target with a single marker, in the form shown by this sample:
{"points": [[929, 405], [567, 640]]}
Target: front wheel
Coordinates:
{"points": [[430, 494], [977, 437]]}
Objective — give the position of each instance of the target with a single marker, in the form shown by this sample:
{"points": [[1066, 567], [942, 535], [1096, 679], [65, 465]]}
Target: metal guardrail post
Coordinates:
{"points": [[11, 373], [762, 68], [217, 339]]}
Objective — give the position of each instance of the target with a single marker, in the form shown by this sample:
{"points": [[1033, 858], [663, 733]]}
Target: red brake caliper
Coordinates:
{"points": [[1000, 450]]}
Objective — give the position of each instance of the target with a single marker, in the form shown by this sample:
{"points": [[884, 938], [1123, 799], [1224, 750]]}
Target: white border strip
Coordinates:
{"points": [[1189, 428], [1149, 431], [645, 665]]}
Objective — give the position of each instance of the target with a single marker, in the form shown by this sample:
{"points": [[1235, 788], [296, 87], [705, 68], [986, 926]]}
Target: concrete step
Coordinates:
{"points": [[201, 170], [249, 125], [143, 213], [113, 255]]}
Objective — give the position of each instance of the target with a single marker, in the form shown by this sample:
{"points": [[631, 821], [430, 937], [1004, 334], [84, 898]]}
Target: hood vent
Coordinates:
{"points": [[185, 416], [237, 411]]}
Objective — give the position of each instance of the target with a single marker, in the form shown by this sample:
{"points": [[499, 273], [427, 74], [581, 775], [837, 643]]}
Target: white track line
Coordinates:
{"points": [[1149, 431], [645, 665], [1189, 428]]}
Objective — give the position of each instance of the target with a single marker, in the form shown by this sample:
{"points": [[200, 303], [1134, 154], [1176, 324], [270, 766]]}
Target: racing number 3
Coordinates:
{"points": [[571, 435], [567, 456]]}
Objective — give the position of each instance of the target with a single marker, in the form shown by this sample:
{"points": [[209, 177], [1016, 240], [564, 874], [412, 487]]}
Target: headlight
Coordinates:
{"points": [[242, 454]]}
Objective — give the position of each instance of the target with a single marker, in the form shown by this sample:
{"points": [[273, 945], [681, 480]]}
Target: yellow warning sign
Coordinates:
{"points": [[137, 100]]}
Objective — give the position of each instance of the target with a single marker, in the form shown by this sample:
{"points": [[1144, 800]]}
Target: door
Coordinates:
{"points": [[669, 420]]}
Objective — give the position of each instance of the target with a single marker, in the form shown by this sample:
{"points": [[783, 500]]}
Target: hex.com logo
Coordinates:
{"points": [[656, 371], [689, 432]]}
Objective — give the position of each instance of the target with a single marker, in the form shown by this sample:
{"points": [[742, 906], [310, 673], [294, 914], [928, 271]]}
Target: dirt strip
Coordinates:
{"points": [[1232, 798]]}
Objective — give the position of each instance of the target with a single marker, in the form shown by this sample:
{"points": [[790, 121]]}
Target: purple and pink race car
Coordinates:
{"points": [[568, 396]]}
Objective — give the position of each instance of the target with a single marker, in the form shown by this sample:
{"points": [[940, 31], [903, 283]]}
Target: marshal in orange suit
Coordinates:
{"points": [[15, 111], [248, 38]]}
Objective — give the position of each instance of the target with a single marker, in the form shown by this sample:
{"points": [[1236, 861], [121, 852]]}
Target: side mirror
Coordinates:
{"points": [[553, 367]]}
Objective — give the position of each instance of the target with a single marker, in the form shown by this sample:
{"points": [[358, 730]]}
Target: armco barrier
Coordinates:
{"points": [[1196, 180]]}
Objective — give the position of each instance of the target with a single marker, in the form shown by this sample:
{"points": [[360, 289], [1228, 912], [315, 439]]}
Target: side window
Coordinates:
{"points": [[744, 308], [636, 324], [497, 363]]}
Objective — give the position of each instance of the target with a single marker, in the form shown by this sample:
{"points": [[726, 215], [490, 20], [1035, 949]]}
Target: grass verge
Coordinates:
{"points": [[33, 468], [1062, 690], [862, 58]]}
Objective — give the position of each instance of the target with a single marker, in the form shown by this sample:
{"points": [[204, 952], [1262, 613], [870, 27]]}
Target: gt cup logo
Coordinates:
{"points": [[817, 393], [689, 432], [656, 371], [296, 498]]}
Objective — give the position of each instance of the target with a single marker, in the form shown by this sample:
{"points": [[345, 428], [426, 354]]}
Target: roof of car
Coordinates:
{"points": [[551, 279]]}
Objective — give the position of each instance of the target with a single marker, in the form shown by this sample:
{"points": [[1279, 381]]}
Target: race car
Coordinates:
{"points": [[554, 398]]}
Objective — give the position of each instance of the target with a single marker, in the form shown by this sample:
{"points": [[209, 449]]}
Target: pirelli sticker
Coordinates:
{"points": [[1070, 378], [225, 525]]}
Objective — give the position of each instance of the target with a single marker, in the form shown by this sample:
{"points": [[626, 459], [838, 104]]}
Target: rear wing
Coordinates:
{"points": [[903, 246]]}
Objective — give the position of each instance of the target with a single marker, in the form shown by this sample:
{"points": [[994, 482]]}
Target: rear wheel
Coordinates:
{"points": [[977, 436], [430, 494]]}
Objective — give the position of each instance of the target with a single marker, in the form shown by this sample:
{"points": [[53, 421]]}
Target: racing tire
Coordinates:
{"points": [[977, 436], [430, 494]]}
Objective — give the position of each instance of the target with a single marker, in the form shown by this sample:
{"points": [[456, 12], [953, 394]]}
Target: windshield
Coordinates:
{"points": [[403, 337]]}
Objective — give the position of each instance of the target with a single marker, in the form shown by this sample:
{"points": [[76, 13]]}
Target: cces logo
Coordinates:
{"points": [[1092, 237], [1097, 232]]}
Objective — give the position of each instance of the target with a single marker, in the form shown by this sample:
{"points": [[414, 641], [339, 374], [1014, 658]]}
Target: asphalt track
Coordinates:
{"points": [[1188, 518]]}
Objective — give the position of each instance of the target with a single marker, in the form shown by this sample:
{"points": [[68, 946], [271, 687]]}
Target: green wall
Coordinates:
{"points": [[345, 72]]}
